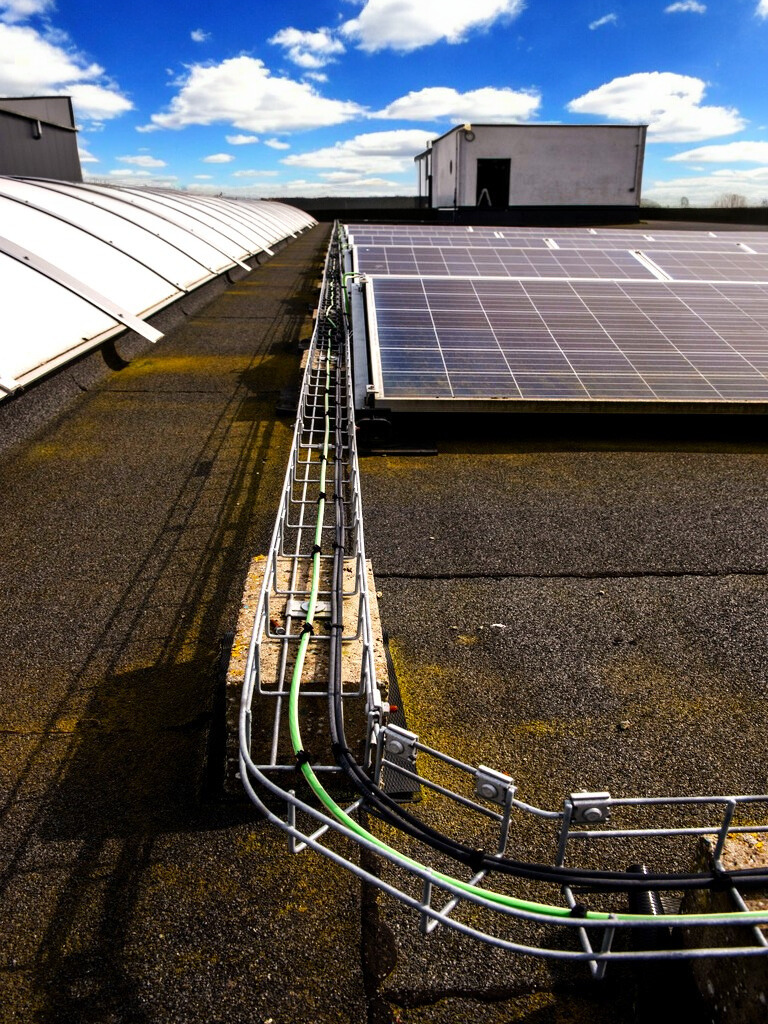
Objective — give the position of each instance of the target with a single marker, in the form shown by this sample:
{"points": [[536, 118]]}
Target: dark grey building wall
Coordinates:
{"points": [[57, 109], [53, 155]]}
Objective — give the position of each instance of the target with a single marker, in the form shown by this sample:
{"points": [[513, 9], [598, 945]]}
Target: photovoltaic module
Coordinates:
{"points": [[566, 316]]}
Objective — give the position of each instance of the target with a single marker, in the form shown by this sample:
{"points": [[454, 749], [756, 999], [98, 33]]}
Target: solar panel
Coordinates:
{"points": [[542, 315], [517, 263], [711, 266], [566, 340]]}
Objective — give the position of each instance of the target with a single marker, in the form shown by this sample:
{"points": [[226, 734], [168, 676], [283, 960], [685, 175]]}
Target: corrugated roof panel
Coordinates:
{"points": [[80, 263], [237, 217], [87, 258], [156, 222], [42, 322], [225, 224], [141, 243], [186, 219]]}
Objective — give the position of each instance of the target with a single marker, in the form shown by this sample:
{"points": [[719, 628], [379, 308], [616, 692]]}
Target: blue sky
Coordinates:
{"points": [[337, 96]]}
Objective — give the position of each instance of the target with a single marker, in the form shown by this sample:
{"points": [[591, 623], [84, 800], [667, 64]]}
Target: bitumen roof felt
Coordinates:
{"points": [[541, 581]]}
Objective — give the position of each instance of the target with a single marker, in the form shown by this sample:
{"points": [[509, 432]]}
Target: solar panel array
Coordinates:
{"points": [[531, 315]]}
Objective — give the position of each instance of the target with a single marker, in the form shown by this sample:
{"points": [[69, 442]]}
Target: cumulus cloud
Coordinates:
{"points": [[686, 6], [370, 153], [20, 10], [703, 190], [86, 157], [241, 140], [218, 158], [199, 35], [348, 185], [762, 9], [96, 103], [31, 64], [126, 176], [406, 25], [243, 92], [142, 161], [670, 104], [255, 174], [727, 152], [276, 144], [204, 177], [607, 19], [438, 102], [309, 50]]}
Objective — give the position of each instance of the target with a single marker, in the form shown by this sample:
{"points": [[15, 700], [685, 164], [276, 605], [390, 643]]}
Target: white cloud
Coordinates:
{"points": [[126, 176], [94, 102], [607, 19], [762, 9], [241, 140], [255, 174], [86, 157], [670, 104], [371, 153], [705, 189], [406, 25], [199, 35], [21, 10], [310, 50], [316, 76], [683, 6], [218, 158], [728, 152], [204, 177], [243, 92], [31, 64], [276, 144], [142, 161], [488, 104], [348, 185]]}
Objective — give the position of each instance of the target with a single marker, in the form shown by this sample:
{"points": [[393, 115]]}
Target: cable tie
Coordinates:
{"points": [[337, 625], [317, 550], [476, 860], [339, 749], [302, 758], [337, 546], [321, 496], [579, 910], [308, 628]]}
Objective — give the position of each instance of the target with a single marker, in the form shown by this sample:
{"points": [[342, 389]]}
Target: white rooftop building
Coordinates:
{"points": [[497, 166]]}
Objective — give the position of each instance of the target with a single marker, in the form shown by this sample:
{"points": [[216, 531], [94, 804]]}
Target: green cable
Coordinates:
{"points": [[341, 815]]}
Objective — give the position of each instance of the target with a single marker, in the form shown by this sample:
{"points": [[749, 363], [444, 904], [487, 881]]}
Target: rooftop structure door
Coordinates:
{"points": [[493, 184]]}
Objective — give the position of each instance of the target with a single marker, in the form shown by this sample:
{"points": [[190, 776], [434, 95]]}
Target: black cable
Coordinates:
{"points": [[381, 804]]}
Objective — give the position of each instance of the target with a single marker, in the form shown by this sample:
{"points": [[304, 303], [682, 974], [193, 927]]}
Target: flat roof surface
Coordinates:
{"points": [[543, 579]]}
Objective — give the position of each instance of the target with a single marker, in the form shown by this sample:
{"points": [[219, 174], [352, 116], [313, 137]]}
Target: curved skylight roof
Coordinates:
{"points": [[79, 263]]}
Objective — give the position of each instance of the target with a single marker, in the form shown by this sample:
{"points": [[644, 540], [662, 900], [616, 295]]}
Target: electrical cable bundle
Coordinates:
{"points": [[379, 802]]}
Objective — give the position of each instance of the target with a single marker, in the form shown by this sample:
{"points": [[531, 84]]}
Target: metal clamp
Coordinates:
{"points": [[496, 787], [399, 742], [590, 808]]}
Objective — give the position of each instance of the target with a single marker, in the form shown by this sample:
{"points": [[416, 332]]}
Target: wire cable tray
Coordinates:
{"points": [[313, 642]]}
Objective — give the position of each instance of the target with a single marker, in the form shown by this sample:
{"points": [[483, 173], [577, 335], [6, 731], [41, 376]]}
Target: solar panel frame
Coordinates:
{"points": [[617, 341], [426, 261], [528, 317]]}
